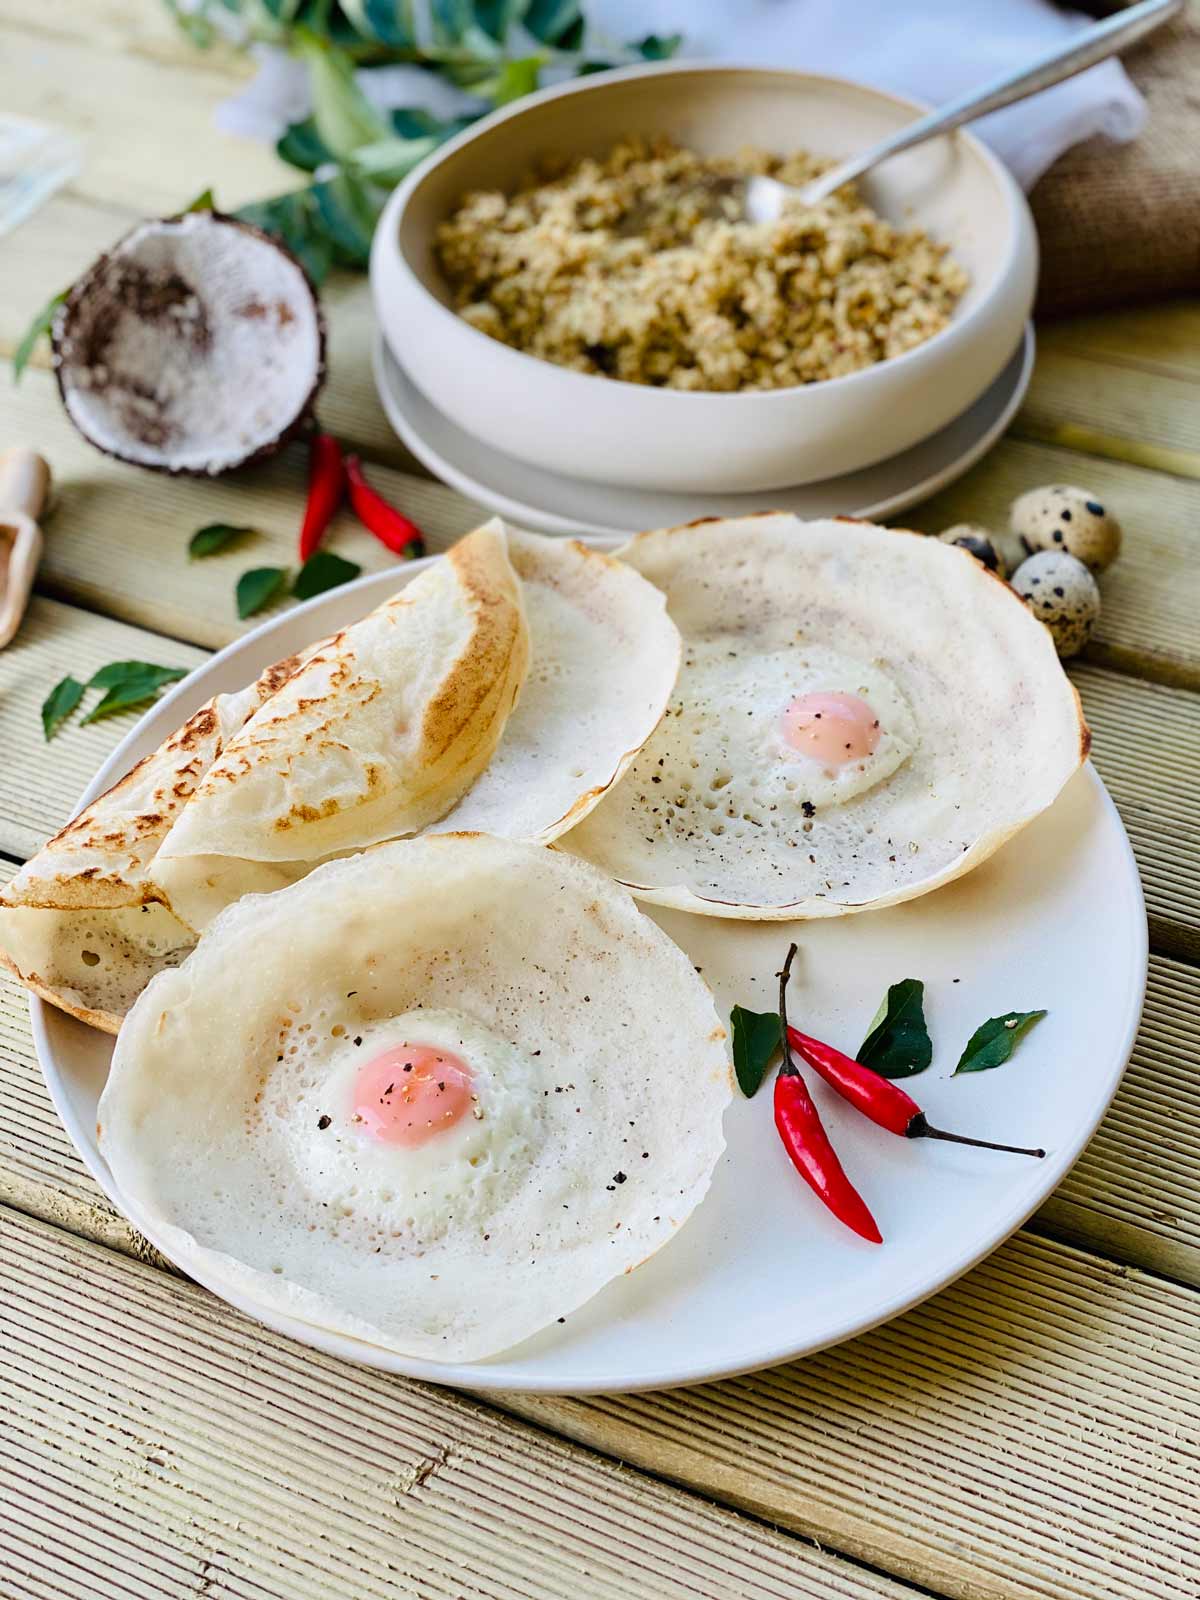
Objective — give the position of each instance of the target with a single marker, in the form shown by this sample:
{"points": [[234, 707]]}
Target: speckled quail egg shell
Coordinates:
{"points": [[1061, 592], [981, 542], [1063, 517]]}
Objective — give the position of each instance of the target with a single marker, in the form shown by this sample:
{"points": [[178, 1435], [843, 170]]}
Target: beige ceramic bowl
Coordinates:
{"points": [[608, 431]]}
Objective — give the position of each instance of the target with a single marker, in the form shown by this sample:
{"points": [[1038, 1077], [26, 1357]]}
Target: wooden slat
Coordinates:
{"points": [[1135, 1192], [1147, 749], [163, 1442], [141, 28], [1102, 407], [117, 538], [1154, 338], [1031, 1432], [150, 142]]}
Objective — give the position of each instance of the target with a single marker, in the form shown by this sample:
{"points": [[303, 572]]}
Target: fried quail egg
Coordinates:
{"points": [[766, 738], [423, 1121]]}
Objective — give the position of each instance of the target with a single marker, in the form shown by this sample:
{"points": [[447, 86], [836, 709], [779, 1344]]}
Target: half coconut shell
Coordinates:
{"points": [[195, 345]]}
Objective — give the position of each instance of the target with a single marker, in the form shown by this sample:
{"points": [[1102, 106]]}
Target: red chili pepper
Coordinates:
{"points": [[807, 1143], [388, 525], [326, 487], [878, 1098]]}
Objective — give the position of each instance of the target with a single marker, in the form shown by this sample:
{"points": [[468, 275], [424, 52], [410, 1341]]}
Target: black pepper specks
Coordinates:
{"points": [[323, 1121]]}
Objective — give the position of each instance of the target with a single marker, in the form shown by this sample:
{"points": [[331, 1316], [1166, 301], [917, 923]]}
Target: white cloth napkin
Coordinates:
{"points": [[928, 49]]}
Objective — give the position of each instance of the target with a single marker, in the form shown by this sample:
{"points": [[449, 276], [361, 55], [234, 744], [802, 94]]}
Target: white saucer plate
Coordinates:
{"points": [[761, 1273], [551, 503]]}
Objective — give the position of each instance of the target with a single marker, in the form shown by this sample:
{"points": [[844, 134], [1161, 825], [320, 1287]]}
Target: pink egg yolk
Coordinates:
{"points": [[831, 728], [411, 1093]]}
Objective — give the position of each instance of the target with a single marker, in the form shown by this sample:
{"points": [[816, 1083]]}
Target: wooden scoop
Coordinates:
{"points": [[24, 484]]}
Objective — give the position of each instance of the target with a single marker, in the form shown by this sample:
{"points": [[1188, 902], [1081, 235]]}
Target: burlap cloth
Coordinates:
{"points": [[1120, 223]]}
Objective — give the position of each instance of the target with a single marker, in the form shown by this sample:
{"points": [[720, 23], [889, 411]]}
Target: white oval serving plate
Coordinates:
{"points": [[762, 1274], [550, 503]]}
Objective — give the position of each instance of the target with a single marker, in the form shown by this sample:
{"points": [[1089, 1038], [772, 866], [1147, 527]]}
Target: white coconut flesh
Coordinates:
{"points": [[235, 1127], [194, 345]]}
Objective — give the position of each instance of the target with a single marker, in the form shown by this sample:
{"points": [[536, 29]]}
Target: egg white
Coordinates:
{"points": [[726, 759], [456, 1179]]}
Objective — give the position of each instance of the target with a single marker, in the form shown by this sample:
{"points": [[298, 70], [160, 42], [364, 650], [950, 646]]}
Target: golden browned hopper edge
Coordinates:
{"points": [[24, 485]]}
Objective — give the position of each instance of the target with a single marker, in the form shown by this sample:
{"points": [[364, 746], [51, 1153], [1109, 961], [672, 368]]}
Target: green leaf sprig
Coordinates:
{"points": [[897, 1044], [356, 152], [214, 536], [257, 588], [262, 586], [59, 704], [994, 1041], [757, 1035], [38, 329], [125, 683], [323, 570]]}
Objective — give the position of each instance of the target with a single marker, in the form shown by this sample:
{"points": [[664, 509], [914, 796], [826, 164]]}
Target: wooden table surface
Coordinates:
{"points": [[1031, 1431]]}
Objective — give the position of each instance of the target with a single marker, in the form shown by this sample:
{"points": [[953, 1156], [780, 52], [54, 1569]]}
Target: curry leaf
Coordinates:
{"points": [[39, 328], [554, 21], [516, 79], [257, 588], [343, 116], [59, 704], [756, 1037], [898, 1043], [994, 1041], [658, 46], [302, 146], [346, 210], [293, 219], [212, 537], [126, 693], [119, 672], [323, 570]]}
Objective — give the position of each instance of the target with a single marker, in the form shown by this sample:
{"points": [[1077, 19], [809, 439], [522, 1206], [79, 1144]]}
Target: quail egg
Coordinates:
{"points": [[981, 542], [1061, 592], [1061, 517]]}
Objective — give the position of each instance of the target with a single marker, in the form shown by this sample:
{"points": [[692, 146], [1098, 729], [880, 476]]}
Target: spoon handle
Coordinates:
{"points": [[1081, 51]]}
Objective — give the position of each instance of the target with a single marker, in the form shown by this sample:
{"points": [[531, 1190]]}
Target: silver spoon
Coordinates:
{"points": [[762, 199]]}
